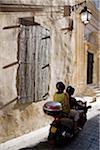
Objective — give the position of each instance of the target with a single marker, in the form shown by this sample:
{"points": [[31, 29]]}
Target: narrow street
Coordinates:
{"points": [[88, 139]]}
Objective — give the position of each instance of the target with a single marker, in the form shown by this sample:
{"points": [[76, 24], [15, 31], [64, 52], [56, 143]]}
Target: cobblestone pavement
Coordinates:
{"points": [[88, 139]]}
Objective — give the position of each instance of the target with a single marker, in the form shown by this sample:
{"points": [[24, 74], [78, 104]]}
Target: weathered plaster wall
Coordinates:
{"points": [[20, 119], [8, 54], [61, 56], [17, 119], [25, 1]]}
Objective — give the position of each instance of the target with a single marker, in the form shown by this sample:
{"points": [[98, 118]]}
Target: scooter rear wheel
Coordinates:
{"points": [[62, 136]]}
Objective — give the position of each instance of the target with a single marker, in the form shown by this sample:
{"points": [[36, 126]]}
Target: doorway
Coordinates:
{"points": [[90, 61]]}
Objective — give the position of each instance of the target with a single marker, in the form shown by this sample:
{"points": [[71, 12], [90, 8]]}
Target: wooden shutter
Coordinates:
{"points": [[26, 74], [33, 72], [42, 73]]}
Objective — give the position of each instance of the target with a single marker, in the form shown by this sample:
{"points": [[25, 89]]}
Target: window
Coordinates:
{"points": [[34, 56]]}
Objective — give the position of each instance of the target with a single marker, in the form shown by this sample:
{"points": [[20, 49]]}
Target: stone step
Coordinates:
{"points": [[97, 91], [96, 88], [98, 95]]}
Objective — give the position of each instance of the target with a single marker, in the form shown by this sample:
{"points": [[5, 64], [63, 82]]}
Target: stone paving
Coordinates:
{"points": [[88, 139]]}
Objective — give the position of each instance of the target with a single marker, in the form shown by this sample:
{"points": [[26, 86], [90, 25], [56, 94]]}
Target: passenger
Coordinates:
{"points": [[73, 106]]}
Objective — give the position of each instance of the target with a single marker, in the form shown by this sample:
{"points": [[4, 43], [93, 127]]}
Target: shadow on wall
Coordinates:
{"points": [[89, 133], [1, 104], [17, 105], [21, 106]]}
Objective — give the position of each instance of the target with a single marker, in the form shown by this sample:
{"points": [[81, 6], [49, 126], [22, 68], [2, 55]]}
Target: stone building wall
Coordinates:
{"points": [[17, 119], [87, 41]]}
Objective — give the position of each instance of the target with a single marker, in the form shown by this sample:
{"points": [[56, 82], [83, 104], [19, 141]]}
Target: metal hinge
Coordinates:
{"points": [[44, 96], [45, 37], [10, 27], [45, 66]]}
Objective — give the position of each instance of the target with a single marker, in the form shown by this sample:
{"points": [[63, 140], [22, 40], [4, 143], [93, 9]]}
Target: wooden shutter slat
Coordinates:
{"points": [[33, 50], [25, 66], [42, 59]]}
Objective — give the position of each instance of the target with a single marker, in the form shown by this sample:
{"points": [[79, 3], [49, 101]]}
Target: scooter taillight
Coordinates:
{"points": [[57, 119]]}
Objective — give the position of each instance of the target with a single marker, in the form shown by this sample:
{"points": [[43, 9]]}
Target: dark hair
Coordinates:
{"points": [[70, 90], [60, 86]]}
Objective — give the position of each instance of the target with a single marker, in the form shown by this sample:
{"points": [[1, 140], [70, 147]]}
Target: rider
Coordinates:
{"points": [[73, 102], [63, 98], [74, 105]]}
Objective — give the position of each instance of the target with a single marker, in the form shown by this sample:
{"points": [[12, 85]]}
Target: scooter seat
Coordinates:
{"points": [[67, 122]]}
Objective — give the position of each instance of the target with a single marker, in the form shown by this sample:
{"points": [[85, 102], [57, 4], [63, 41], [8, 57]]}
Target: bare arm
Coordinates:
{"points": [[66, 99]]}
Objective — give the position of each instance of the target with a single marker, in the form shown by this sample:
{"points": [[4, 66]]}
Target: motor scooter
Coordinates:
{"points": [[62, 128]]}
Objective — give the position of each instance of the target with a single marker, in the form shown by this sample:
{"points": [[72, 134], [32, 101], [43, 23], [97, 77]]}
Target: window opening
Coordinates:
{"points": [[34, 71]]}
